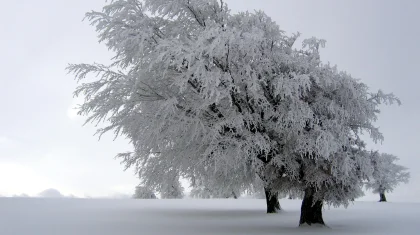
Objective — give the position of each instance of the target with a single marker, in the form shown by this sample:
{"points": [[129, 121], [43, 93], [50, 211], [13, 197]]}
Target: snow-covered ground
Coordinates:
{"points": [[41, 216]]}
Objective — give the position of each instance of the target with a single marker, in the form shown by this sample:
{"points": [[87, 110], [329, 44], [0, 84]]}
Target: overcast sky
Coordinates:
{"points": [[43, 144]]}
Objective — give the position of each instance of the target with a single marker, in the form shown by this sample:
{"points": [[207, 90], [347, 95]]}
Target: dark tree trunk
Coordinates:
{"points": [[382, 197], [272, 200], [311, 211]]}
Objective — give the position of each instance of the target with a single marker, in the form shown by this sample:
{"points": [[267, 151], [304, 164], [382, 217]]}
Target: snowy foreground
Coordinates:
{"points": [[32, 216]]}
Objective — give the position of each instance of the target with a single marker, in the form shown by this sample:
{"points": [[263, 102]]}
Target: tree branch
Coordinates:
{"points": [[202, 24]]}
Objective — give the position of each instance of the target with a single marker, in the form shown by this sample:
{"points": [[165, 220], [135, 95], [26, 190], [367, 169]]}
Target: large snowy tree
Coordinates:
{"points": [[203, 93], [386, 175]]}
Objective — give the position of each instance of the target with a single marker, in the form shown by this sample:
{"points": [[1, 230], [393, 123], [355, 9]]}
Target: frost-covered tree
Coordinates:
{"points": [[386, 175], [185, 77], [333, 162], [202, 94], [202, 192], [172, 189], [222, 184], [142, 192], [162, 178]]}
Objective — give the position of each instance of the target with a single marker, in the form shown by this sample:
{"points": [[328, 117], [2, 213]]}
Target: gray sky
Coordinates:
{"points": [[43, 144]]}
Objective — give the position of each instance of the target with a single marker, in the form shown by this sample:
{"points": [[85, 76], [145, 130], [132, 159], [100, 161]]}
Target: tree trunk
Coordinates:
{"points": [[382, 197], [272, 200], [311, 211]]}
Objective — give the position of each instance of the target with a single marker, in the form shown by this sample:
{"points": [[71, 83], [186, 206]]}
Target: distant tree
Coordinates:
{"points": [[386, 175], [172, 189], [203, 93], [202, 192], [142, 192], [51, 193], [222, 183], [23, 195]]}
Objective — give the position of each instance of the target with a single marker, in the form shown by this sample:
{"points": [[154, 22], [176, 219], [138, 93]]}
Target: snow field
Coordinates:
{"points": [[38, 216]]}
